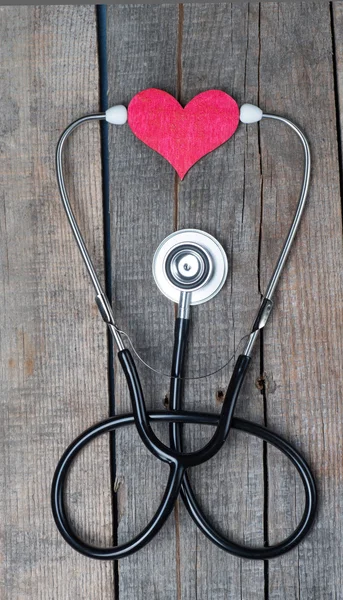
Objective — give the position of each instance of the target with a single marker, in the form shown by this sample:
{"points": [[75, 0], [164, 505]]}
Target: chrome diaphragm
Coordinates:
{"points": [[190, 261]]}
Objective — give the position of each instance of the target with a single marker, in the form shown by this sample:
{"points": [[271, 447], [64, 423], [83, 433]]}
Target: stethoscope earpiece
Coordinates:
{"points": [[116, 115], [249, 113]]}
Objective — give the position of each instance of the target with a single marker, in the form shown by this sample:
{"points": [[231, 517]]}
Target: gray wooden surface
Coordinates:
{"points": [[288, 57], [305, 386], [53, 351]]}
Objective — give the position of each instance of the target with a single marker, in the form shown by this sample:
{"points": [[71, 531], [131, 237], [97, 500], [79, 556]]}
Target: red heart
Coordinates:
{"points": [[183, 135]]}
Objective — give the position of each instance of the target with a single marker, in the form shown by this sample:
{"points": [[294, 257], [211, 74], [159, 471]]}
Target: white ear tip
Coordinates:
{"points": [[250, 113], [117, 115]]}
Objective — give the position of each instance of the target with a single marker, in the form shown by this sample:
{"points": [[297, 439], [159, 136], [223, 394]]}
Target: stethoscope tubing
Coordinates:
{"points": [[178, 478], [179, 461], [172, 454], [188, 497]]}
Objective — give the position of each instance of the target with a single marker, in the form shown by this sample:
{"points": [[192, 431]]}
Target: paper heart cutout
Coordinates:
{"points": [[183, 135]]}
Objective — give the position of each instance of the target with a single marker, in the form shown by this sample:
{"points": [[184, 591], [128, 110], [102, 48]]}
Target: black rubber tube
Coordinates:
{"points": [[262, 553], [151, 441], [187, 494], [63, 524], [59, 510], [179, 461]]}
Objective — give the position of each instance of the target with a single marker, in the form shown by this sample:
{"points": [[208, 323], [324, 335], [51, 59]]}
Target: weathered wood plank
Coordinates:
{"points": [[53, 344], [221, 195], [303, 342], [142, 43], [140, 182], [296, 57]]}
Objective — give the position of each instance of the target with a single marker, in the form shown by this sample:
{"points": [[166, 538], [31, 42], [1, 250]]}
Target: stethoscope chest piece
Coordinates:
{"points": [[190, 261]]}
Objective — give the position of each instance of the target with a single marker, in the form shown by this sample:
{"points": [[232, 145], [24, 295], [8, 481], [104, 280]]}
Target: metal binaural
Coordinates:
{"points": [[101, 299], [300, 207], [266, 305], [189, 270]]}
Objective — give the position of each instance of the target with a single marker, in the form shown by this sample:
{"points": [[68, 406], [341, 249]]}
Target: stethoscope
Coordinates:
{"points": [[189, 267]]}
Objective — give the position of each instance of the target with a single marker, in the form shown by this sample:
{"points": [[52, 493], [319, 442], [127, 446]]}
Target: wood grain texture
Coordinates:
{"points": [[142, 49], [148, 202], [303, 341], [53, 351], [221, 195], [53, 344]]}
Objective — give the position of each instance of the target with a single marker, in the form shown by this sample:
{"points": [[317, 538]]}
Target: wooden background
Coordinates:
{"points": [[55, 367]]}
